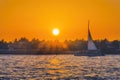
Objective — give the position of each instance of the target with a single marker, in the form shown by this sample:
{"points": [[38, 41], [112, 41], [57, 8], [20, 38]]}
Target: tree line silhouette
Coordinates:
{"points": [[35, 46]]}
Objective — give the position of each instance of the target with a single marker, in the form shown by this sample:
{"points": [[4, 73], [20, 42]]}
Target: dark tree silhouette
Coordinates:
{"points": [[24, 46]]}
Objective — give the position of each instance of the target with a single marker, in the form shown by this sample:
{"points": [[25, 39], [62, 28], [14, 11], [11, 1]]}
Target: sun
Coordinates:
{"points": [[56, 31]]}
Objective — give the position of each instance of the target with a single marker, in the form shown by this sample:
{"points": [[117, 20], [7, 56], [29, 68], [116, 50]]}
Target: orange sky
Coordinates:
{"points": [[37, 18]]}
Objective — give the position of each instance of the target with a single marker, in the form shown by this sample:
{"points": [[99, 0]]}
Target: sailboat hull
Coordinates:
{"points": [[89, 53]]}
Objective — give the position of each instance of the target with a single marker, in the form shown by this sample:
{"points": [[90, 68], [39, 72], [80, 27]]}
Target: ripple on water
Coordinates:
{"points": [[61, 67]]}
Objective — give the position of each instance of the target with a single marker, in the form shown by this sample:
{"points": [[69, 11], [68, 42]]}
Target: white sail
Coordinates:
{"points": [[91, 45]]}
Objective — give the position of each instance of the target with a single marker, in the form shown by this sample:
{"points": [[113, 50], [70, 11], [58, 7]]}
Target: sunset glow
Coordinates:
{"points": [[36, 18]]}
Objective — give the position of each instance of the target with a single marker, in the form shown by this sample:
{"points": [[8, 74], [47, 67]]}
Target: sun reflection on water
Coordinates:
{"points": [[55, 66], [55, 61]]}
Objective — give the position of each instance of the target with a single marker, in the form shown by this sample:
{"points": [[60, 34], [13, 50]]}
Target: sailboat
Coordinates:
{"points": [[91, 48]]}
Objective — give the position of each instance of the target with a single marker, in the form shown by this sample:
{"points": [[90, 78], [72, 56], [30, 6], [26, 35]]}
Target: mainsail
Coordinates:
{"points": [[91, 45]]}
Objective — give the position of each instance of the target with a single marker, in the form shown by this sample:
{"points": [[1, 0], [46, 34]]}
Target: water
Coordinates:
{"points": [[60, 67]]}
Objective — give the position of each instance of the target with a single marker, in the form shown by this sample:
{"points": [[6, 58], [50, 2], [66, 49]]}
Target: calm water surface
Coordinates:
{"points": [[60, 67]]}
